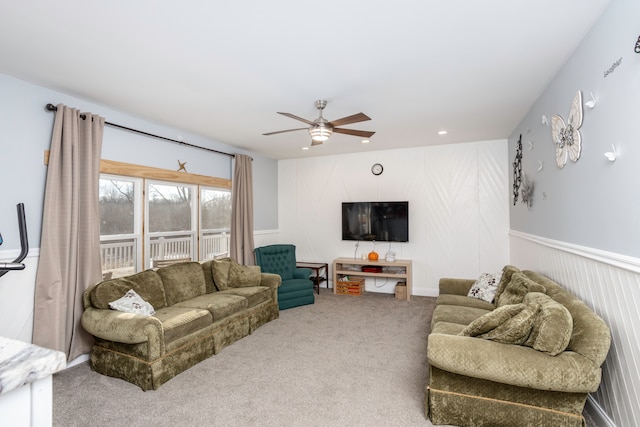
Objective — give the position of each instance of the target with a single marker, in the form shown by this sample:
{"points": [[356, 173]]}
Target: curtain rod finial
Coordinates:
{"points": [[51, 107]]}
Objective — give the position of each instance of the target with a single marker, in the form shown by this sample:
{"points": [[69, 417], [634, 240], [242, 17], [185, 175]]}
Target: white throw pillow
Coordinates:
{"points": [[131, 302], [485, 287]]}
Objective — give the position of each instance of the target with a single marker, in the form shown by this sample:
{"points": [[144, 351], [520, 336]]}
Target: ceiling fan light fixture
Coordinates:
{"points": [[320, 132]]}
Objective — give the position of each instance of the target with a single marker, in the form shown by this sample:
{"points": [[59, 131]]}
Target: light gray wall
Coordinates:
{"points": [[593, 202], [583, 229], [25, 133]]}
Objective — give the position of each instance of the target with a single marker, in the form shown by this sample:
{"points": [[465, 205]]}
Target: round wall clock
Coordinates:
{"points": [[377, 169]]}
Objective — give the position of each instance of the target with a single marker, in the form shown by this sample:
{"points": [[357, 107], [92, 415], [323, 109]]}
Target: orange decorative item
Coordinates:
{"points": [[373, 256]]}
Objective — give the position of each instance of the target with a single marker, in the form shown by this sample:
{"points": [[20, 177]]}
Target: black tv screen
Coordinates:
{"points": [[379, 221]]}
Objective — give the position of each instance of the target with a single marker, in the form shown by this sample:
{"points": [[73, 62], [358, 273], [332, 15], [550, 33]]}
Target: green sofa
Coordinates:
{"points": [[531, 357], [199, 310]]}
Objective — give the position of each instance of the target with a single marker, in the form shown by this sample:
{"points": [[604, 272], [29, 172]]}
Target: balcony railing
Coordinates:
{"points": [[214, 245], [170, 247], [119, 257]]}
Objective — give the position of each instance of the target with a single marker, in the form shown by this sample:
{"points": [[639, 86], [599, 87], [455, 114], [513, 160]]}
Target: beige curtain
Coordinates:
{"points": [[241, 246], [70, 243]]}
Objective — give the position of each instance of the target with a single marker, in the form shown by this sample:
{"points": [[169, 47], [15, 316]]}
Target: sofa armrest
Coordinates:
{"points": [[273, 281], [301, 273], [454, 286], [127, 328], [512, 364]]}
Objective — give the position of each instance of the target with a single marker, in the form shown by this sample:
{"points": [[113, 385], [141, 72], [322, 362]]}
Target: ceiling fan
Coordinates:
{"points": [[321, 129]]}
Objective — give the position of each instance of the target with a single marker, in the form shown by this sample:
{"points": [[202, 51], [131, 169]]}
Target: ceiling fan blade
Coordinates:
{"points": [[283, 131], [362, 133], [297, 118], [360, 117]]}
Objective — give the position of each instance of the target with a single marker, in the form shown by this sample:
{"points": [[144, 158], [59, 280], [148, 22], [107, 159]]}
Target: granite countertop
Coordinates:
{"points": [[23, 363]]}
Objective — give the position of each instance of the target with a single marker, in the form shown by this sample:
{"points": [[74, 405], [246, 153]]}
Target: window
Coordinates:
{"points": [[215, 222], [120, 203], [172, 221]]}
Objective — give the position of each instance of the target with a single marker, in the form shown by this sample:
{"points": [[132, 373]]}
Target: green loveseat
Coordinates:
{"points": [[199, 310], [529, 358]]}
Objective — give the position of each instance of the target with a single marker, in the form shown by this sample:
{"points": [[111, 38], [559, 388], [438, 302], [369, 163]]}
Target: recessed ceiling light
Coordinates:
{"points": [[305, 148], [442, 132], [365, 141]]}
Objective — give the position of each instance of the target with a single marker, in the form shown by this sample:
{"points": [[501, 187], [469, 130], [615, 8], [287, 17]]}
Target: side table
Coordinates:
{"points": [[317, 267]]}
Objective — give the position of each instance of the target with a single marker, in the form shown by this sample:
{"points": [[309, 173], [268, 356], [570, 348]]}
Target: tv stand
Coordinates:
{"points": [[399, 269]]}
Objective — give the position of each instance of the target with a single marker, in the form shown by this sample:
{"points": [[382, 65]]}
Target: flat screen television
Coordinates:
{"points": [[379, 221]]}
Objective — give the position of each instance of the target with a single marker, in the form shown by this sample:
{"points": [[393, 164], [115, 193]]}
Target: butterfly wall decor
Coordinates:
{"points": [[566, 136]]}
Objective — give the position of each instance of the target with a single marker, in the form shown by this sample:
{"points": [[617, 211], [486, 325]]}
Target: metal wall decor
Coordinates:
{"points": [[527, 191], [567, 137], [637, 49], [517, 171]]}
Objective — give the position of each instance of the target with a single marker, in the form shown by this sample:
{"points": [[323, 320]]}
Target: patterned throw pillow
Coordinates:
{"points": [[131, 302], [485, 287]]}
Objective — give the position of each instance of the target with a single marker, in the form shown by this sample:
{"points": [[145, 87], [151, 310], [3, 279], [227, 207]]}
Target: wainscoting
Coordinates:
{"points": [[610, 284]]}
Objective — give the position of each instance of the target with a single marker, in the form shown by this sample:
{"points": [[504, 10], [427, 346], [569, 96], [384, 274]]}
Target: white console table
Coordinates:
{"points": [[26, 385], [399, 269]]}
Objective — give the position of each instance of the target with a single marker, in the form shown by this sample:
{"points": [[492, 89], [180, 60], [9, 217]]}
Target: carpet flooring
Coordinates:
{"points": [[343, 361]]}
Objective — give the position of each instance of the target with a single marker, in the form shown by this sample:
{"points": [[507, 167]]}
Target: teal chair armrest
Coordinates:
{"points": [[302, 273]]}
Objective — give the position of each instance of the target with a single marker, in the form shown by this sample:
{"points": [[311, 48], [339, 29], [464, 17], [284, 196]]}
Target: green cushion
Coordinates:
{"points": [[515, 330], [463, 300], [253, 295], [220, 271], [519, 286], [147, 284], [507, 272], [207, 268], [510, 324], [217, 303], [178, 322], [182, 281], [456, 314], [491, 320], [243, 275], [552, 327]]}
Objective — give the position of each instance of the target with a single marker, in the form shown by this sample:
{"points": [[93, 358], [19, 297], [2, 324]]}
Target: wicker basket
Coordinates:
{"points": [[350, 286]]}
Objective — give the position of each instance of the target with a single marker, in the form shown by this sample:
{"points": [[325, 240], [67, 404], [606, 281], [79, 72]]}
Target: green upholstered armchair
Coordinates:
{"points": [[296, 288]]}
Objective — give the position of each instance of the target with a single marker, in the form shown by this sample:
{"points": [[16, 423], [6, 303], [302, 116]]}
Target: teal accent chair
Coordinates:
{"points": [[297, 287]]}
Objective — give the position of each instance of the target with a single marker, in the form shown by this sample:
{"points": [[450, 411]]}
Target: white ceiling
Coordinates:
{"points": [[223, 69]]}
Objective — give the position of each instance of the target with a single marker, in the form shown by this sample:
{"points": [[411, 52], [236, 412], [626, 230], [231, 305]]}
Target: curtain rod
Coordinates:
{"points": [[51, 107]]}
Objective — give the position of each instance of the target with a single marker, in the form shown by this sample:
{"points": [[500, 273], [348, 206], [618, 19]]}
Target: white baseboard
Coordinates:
{"points": [[426, 293], [597, 414], [78, 360]]}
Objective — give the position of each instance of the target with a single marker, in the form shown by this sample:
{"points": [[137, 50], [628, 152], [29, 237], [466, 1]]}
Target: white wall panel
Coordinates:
{"points": [[493, 203], [610, 285], [444, 186], [17, 290]]}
